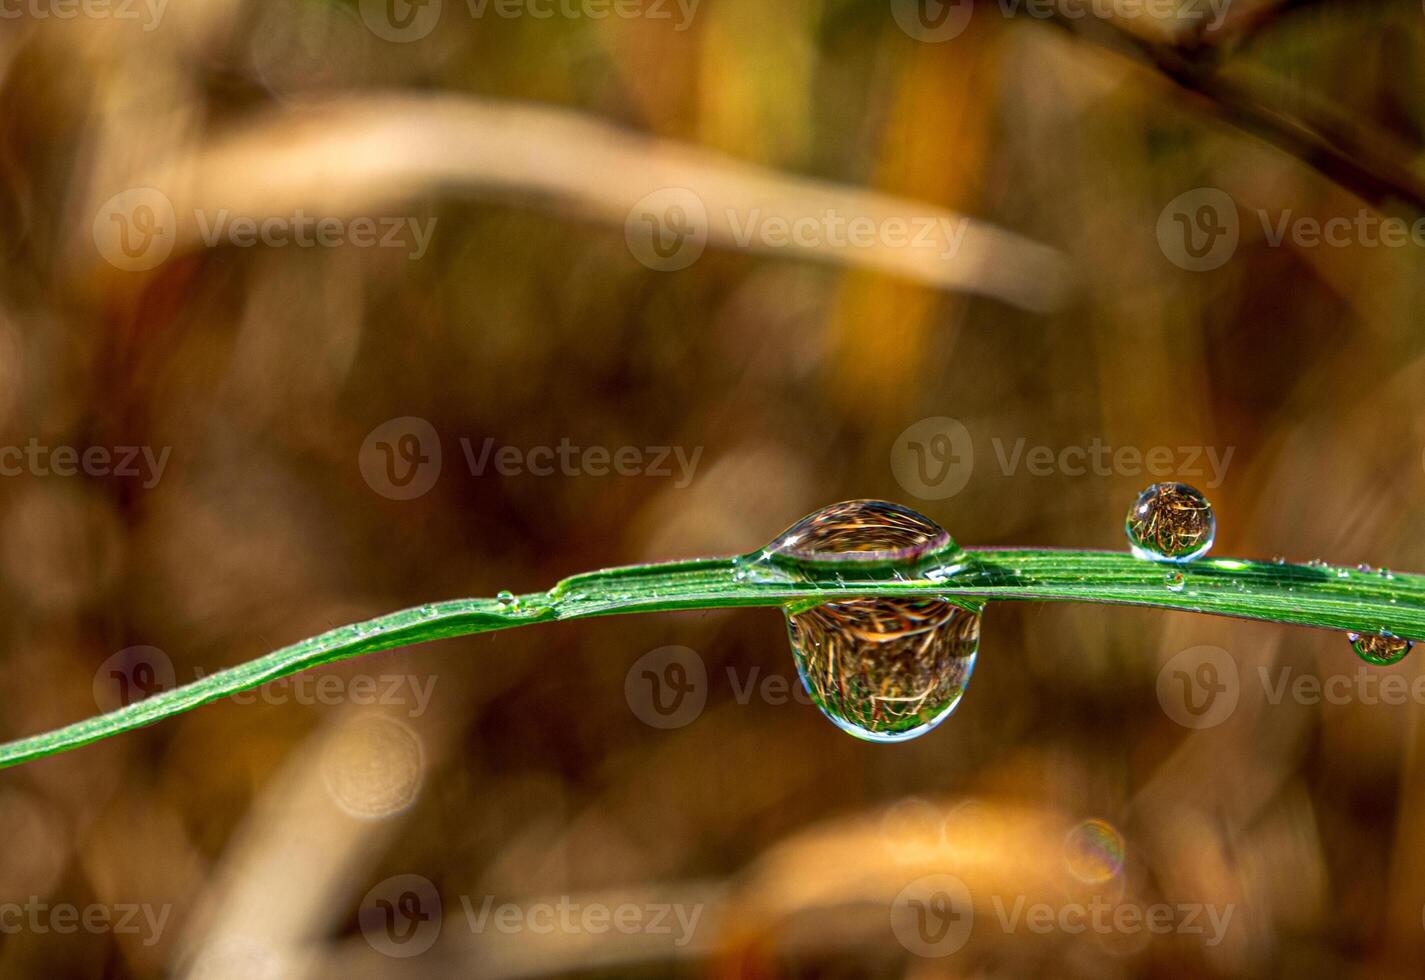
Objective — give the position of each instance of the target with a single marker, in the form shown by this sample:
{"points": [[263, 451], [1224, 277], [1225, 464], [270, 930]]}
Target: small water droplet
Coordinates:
{"points": [[1170, 522], [1175, 581], [1383, 648], [1278, 560], [507, 599], [884, 670], [1386, 573], [1363, 567]]}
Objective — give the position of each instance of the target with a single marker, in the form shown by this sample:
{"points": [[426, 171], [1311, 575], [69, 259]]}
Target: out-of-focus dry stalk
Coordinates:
{"points": [[304, 846], [353, 157]]}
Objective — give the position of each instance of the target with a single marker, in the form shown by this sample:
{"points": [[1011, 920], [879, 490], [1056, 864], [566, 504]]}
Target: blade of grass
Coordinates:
{"points": [[1328, 597]]}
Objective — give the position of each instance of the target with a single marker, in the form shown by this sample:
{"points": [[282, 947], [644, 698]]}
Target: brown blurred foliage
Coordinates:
{"points": [[264, 831]]}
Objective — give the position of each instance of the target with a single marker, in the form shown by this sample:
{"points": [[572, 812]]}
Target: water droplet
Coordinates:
{"points": [[1363, 567], [507, 599], [1317, 563], [1278, 560], [1175, 581], [1383, 648], [861, 534], [885, 670], [882, 669], [1170, 522]]}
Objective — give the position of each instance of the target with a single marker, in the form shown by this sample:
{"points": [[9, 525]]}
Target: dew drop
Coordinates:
{"points": [[885, 670], [507, 599], [862, 534], [882, 669], [1382, 649], [1278, 560], [1170, 522], [1175, 581]]}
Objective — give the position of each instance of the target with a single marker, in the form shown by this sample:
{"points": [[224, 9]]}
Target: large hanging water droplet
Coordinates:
{"points": [[1382, 649], [882, 669], [1170, 522], [885, 670]]}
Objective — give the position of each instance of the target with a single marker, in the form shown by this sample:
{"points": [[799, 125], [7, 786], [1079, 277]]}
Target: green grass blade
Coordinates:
{"points": [[1327, 597]]}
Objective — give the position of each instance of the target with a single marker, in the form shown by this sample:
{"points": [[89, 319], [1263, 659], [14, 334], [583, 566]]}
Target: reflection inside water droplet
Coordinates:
{"points": [[1382, 649], [862, 533], [882, 669], [885, 670], [1170, 522]]}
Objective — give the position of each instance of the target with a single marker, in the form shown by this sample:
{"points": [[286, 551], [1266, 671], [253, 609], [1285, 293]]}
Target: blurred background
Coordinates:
{"points": [[312, 310]]}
